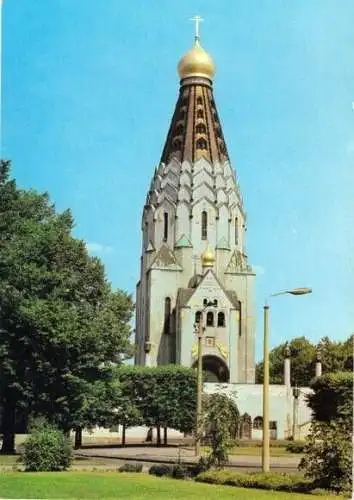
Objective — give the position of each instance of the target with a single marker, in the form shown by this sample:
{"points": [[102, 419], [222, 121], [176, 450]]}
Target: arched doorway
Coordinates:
{"points": [[214, 369]]}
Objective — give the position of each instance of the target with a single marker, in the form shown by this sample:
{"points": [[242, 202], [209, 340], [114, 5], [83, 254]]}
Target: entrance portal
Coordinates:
{"points": [[214, 369]]}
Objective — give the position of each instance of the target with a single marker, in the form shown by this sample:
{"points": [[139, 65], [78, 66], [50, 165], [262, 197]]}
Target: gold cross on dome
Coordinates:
{"points": [[197, 20]]}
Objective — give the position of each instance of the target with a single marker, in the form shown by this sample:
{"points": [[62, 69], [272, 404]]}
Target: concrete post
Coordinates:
{"points": [[287, 368], [265, 450], [318, 364]]}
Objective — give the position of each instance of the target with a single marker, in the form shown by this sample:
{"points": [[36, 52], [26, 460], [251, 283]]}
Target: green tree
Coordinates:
{"points": [[328, 451], [220, 425], [336, 356], [302, 354], [60, 321], [163, 396]]}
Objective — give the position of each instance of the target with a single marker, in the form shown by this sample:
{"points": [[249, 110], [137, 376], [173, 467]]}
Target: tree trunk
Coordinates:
{"points": [[165, 436], [78, 438], [158, 435], [8, 428], [123, 435]]}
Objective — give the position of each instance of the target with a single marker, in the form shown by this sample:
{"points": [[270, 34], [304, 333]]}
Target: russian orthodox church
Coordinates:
{"points": [[194, 265]]}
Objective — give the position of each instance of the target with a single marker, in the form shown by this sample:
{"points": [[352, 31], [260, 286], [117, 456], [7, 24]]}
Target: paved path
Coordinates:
{"points": [[173, 454]]}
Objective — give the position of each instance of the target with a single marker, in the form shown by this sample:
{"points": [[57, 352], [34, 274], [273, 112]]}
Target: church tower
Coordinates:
{"points": [[193, 263]]}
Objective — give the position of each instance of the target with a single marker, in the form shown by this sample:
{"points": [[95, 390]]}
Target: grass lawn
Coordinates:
{"points": [[75, 485]]}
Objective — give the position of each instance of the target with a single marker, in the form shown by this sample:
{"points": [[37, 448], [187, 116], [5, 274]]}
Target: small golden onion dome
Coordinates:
{"points": [[208, 257], [196, 62]]}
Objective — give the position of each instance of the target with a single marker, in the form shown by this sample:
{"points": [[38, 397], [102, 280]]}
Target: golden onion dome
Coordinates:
{"points": [[208, 257], [196, 62]]}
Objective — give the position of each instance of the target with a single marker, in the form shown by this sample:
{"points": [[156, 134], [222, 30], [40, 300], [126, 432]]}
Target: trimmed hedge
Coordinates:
{"points": [[131, 468], [295, 447], [160, 470], [257, 443], [272, 481], [177, 471]]}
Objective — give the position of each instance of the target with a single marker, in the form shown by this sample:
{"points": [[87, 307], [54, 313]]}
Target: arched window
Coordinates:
{"points": [[166, 325], [258, 423], [221, 319], [202, 143], [204, 225], [200, 113], [165, 226], [236, 230], [199, 100], [200, 128], [198, 317], [210, 319]]}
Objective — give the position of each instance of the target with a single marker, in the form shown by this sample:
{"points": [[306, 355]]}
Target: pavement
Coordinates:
{"points": [[173, 454]]}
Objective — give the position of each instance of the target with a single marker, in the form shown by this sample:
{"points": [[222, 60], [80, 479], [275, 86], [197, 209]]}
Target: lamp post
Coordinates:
{"points": [[200, 328], [265, 448]]}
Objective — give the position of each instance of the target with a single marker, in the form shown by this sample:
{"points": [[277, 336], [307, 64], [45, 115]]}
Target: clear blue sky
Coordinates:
{"points": [[88, 92]]}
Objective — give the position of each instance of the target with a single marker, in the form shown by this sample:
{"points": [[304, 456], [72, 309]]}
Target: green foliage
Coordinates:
{"points": [[295, 447], [332, 397], [47, 449], [180, 471], [220, 424], [271, 481], [336, 356], [302, 363], [328, 456], [163, 396], [61, 323], [131, 468], [328, 450], [160, 470]]}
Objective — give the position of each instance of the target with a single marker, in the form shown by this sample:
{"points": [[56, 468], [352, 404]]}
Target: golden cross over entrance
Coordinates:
{"points": [[197, 20]]}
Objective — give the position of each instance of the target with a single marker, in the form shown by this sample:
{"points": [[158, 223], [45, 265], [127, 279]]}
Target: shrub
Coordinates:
{"points": [[47, 449], [328, 455], [295, 447], [161, 470], [271, 481], [180, 472], [131, 468], [332, 397]]}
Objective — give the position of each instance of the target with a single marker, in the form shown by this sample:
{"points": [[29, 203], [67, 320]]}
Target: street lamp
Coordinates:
{"points": [[265, 449], [200, 328]]}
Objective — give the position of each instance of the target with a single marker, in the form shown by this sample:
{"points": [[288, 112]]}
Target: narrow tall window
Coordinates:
{"points": [[221, 319], [200, 128], [210, 319], [236, 230], [165, 226], [204, 225], [166, 325], [198, 316], [202, 143]]}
